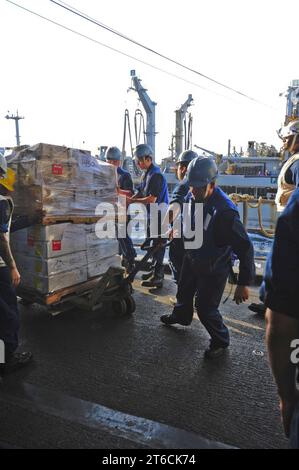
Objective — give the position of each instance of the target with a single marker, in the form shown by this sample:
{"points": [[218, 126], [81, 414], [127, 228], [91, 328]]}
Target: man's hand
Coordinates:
{"points": [[15, 276], [241, 294]]}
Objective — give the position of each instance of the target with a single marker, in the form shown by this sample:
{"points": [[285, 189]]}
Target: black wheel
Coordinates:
{"points": [[119, 307], [131, 304]]}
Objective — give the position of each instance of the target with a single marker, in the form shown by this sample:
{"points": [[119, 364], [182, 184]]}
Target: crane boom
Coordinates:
{"points": [[149, 107]]}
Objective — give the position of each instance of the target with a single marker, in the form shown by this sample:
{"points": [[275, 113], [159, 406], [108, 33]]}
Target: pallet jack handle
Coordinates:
{"points": [[150, 250]]}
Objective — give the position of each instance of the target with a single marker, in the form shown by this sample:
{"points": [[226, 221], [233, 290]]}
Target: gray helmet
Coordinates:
{"points": [[201, 171], [143, 150], [186, 157], [113, 153]]}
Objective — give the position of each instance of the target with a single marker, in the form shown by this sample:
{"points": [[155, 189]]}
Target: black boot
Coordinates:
{"points": [[260, 309], [172, 320], [15, 362], [157, 279], [147, 276]]}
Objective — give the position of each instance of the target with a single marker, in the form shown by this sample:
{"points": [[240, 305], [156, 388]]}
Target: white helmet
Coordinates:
{"points": [[3, 166], [292, 128]]}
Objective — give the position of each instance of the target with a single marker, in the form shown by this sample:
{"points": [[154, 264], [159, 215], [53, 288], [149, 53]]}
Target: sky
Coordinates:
{"points": [[72, 91]]}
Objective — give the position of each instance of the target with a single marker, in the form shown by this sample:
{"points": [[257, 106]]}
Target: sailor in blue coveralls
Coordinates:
{"points": [[288, 181], [125, 187], [205, 270], [9, 274], [176, 248], [153, 189], [281, 287]]}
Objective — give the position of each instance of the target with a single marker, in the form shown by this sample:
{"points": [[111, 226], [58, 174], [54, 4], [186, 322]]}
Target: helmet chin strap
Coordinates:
{"points": [[293, 143]]}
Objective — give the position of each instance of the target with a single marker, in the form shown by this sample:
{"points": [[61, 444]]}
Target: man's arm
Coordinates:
{"points": [[292, 174], [142, 200], [176, 203], [5, 251], [231, 232], [281, 330]]}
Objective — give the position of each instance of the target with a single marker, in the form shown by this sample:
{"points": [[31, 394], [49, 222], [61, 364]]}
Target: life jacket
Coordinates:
{"points": [[10, 208], [210, 257], [123, 175], [180, 192], [285, 189], [145, 184]]}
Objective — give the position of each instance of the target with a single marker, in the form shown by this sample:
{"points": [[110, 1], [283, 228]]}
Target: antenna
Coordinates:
{"points": [[16, 118]]}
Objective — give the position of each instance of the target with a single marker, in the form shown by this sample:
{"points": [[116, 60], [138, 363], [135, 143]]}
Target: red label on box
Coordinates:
{"points": [[56, 245], [57, 169], [30, 241]]}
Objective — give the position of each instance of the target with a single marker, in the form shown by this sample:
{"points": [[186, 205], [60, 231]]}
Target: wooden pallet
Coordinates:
{"points": [[33, 296], [74, 219]]}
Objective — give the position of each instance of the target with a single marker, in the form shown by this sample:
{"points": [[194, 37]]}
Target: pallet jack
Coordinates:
{"points": [[115, 287]]}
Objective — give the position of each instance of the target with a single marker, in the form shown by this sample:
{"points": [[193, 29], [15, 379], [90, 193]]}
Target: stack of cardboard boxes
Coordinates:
{"points": [[53, 257], [67, 182], [61, 181]]}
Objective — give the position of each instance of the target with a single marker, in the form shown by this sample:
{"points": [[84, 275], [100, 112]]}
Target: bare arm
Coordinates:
{"points": [[281, 330], [125, 192], [142, 200], [6, 255], [5, 251]]}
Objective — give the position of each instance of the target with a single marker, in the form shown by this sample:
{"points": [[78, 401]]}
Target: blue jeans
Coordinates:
{"points": [[208, 289], [294, 435], [9, 313]]}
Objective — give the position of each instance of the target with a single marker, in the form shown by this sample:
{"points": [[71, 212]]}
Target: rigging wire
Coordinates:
{"points": [[84, 16]]}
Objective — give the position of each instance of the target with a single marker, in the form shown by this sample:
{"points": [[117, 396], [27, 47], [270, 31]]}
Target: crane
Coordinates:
{"points": [[149, 107], [179, 127]]}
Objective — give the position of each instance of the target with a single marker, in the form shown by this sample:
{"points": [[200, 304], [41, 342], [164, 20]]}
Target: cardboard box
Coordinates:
{"points": [[61, 181], [104, 249], [49, 241], [51, 249], [45, 285], [51, 266], [100, 267]]}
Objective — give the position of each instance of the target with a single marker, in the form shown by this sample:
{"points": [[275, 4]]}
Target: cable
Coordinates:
{"points": [[108, 28], [118, 51], [159, 69]]}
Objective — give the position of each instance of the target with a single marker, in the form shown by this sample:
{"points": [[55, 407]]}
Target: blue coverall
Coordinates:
{"points": [[205, 270], [154, 184], [291, 177], [176, 248], [126, 245], [281, 281]]}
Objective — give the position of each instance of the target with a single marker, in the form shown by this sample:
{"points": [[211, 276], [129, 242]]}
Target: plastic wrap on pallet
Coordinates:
{"points": [[50, 284], [52, 266], [61, 180], [100, 267], [105, 249], [49, 241], [54, 257]]}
